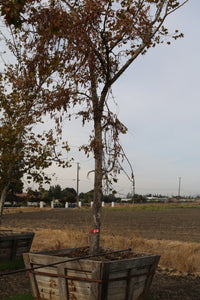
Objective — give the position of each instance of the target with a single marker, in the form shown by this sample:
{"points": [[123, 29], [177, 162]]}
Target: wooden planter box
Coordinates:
{"points": [[14, 243], [126, 279]]}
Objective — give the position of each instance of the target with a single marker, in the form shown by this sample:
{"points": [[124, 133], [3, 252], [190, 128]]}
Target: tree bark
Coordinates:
{"points": [[98, 153], [2, 200], [98, 157]]}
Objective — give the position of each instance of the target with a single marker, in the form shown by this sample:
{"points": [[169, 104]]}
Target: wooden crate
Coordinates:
{"points": [[14, 243], [126, 279]]}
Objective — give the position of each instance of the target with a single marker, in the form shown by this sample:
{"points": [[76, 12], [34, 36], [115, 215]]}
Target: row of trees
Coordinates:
{"points": [[16, 197], [70, 195], [63, 195]]}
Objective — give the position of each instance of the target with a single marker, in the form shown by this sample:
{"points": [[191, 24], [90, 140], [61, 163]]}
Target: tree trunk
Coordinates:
{"points": [[98, 156], [2, 200], [98, 153]]}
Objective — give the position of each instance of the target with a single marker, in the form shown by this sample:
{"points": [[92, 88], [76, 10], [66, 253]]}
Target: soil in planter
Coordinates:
{"points": [[84, 251]]}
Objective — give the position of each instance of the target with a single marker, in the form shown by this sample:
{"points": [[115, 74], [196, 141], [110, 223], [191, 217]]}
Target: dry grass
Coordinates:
{"points": [[58, 239], [181, 256]]}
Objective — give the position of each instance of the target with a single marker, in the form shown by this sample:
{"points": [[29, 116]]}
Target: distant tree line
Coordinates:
{"points": [[67, 194], [70, 195]]}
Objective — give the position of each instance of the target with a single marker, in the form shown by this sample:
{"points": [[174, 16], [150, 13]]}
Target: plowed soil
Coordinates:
{"points": [[181, 224]]}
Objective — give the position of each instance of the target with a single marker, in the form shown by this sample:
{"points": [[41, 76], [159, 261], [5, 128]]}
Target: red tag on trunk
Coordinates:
{"points": [[94, 231]]}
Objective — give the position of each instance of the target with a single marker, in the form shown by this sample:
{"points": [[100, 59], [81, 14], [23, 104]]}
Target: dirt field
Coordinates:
{"points": [[180, 224]]}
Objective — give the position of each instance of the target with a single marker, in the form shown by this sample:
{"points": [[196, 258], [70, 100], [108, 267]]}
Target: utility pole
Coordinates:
{"points": [[77, 185], [179, 188], [133, 187]]}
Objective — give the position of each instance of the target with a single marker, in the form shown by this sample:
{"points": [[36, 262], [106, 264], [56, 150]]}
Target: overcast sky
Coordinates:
{"points": [[158, 100]]}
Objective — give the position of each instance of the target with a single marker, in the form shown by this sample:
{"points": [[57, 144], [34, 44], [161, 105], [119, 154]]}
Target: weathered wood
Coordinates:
{"points": [[4, 244], [131, 263], [44, 280], [44, 259], [33, 281], [127, 279], [150, 278], [14, 243], [14, 248], [128, 285], [62, 283], [48, 291], [17, 234], [5, 253], [47, 296], [105, 272], [138, 291], [20, 250]]}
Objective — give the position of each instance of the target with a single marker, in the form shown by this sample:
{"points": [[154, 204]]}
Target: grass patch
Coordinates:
{"points": [[153, 207], [26, 296], [12, 265]]}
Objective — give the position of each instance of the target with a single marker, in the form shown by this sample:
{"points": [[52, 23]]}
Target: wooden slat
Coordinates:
{"points": [[121, 294], [21, 249], [82, 265], [79, 284], [14, 249], [33, 282], [78, 296], [40, 259], [116, 285], [24, 243], [122, 265], [48, 270], [5, 257], [75, 286], [47, 290], [46, 296], [149, 279], [45, 281], [63, 288], [137, 292], [10, 235], [81, 274], [5, 252], [140, 273], [5, 244], [104, 275], [119, 274]]}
